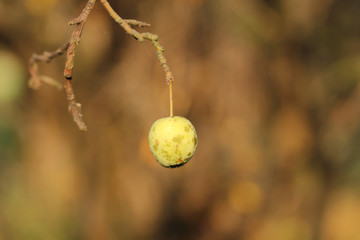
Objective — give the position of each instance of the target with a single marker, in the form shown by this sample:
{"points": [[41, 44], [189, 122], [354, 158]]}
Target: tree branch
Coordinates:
{"points": [[35, 78], [70, 48], [74, 107], [137, 23], [75, 37], [125, 24]]}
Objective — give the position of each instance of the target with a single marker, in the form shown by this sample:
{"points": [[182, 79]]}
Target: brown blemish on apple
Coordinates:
{"points": [[178, 139], [187, 129], [155, 147]]}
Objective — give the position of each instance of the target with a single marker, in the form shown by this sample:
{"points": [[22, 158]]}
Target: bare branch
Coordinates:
{"points": [[70, 48], [75, 37], [140, 37], [35, 78], [137, 23], [74, 107]]}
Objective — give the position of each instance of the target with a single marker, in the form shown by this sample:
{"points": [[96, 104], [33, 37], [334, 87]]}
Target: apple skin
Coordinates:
{"points": [[172, 141]]}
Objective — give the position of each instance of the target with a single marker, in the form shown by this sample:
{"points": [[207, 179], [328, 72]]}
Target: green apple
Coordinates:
{"points": [[172, 141]]}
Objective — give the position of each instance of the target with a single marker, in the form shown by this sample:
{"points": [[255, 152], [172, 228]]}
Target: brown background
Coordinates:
{"points": [[272, 88]]}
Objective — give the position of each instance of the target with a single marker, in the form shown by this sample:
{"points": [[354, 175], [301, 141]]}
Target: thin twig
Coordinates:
{"points": [[35, 78], [125, 24], [74, 107], [137, 23], [171, 99], [75, 37], [140, 37]]}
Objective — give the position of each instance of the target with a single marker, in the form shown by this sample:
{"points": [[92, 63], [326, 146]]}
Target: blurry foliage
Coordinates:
{"points": [[12, 77], [272, 87]]}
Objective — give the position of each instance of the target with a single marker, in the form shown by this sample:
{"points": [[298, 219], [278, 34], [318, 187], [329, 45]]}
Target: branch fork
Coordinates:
{"points": [[36, 80]]}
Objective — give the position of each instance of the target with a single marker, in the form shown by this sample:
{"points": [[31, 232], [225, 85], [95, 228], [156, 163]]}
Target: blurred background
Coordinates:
{"points": [[272, 87]]}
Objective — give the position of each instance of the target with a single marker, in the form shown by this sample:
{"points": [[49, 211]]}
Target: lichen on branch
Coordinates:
{"points": [[70, 48]]}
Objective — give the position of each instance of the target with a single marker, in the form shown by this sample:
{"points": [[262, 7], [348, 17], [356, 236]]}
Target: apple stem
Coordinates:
{"points": [[171, 99]]}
